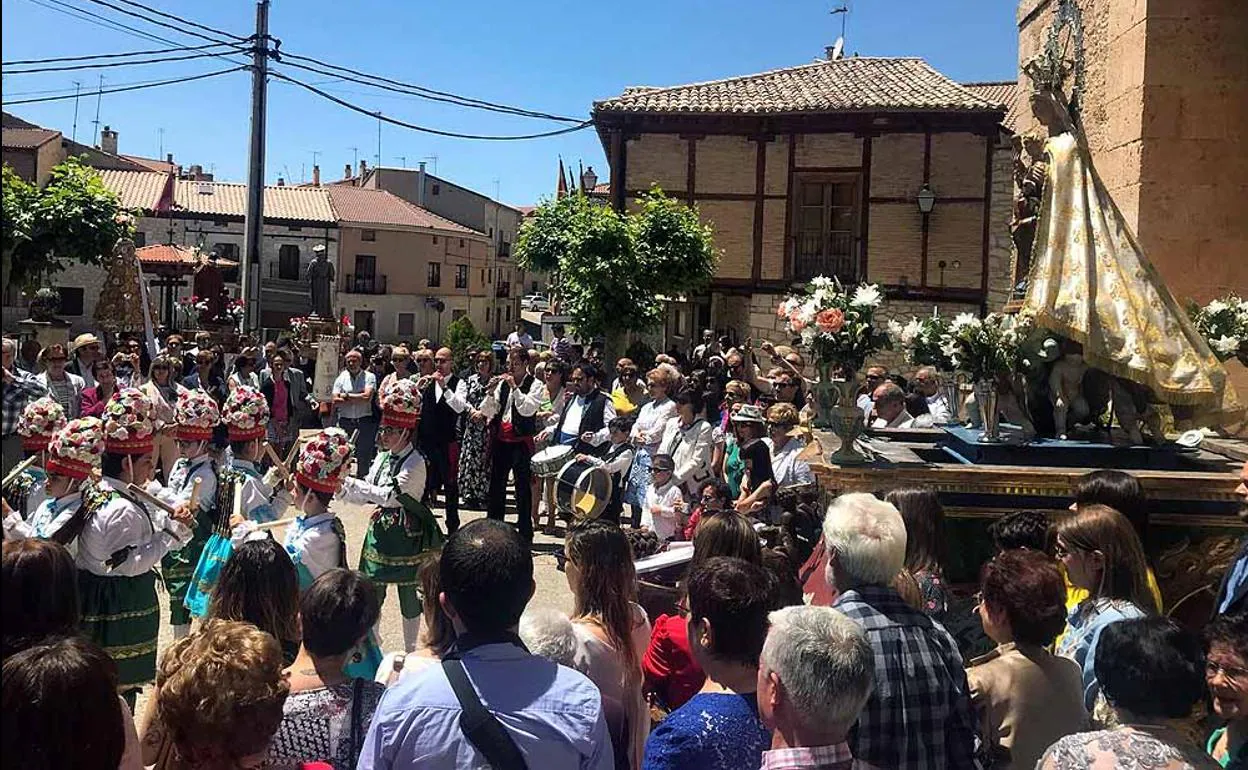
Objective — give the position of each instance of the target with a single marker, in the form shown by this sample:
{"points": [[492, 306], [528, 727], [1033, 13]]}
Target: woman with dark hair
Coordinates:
{"points": [[1122, 492], [259, 585], [713, 498], [1152, 672], [94, 399], [612, 629], [719, 728], [1226, 673], [925, 543], [1025, 697], [688, 439], [672, 673], [758, 481], [1102, 555], [474, 449], [1023, 529], [60, 708], [39, 586], [437, 634], [328, 711]]}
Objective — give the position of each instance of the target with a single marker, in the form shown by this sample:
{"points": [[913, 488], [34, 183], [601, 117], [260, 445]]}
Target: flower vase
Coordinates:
{"points": [[840, 413], [986, 400], [951, 391]]}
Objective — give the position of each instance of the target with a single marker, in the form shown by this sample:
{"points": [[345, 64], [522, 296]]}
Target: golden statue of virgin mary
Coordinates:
{"points": [[1090, 281]]}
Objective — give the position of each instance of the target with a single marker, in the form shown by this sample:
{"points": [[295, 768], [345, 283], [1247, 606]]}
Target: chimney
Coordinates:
{"points": [[420, 185], [346, 171], [169, 158], [281, 182], [316, 175], [363, 168], [108, 140]]}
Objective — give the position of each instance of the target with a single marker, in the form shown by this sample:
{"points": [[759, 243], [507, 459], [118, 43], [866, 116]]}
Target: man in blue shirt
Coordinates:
{"points": [[1233, 593], [553, 714]]}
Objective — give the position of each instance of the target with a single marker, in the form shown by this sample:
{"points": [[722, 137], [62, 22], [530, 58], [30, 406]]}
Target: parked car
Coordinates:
{"points": [[535, 302]]}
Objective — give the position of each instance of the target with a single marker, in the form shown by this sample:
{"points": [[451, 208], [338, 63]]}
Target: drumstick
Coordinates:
{"points": [[238, 500], [274, 524], [290, 456], [150, 499], [277, 463], [17, 471], [194, 501]]}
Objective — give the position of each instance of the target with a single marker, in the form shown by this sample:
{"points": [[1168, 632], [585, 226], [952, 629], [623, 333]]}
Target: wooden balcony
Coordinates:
{"points": [[828, 254], [363, 284]]}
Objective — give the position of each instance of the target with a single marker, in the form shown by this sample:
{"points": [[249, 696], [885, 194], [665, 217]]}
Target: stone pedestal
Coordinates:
{"points": [[50, 332]]}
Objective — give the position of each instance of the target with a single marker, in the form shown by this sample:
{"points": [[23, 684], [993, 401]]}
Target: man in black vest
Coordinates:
{"points": [[443, 396], [582, 424], [511, 406]]}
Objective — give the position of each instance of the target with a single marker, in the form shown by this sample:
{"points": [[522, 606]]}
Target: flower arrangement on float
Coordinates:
{"points": [[1224, 325], [921, 339], [837, 324], [988, 349]]}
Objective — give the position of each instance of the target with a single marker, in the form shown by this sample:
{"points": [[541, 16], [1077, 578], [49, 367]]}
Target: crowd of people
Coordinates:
{"points": [[861, 655]]}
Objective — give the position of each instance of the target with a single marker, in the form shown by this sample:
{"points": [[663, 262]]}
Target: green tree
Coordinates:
{"points": [[75, 218], [461, 336], [612, 267]]}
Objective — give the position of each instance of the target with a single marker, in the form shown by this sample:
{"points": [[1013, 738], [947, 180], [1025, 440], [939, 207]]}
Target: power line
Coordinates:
{"points": [[433, 94], [64, 91], [110, 65], [154, 84], [188, 22], [167, 25], [424, 129], [115, 55]]}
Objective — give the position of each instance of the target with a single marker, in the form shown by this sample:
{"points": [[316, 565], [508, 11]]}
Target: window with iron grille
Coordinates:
{"points": [[825, 237], [461, 276], [435, 274]]}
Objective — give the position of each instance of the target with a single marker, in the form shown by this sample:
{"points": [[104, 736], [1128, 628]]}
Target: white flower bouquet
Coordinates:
{"points": [[986, 348], [1224, 324], [922, 341], [835, 323]]}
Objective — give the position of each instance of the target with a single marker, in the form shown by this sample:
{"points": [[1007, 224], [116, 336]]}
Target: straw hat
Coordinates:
{"points": [[82, 340]]}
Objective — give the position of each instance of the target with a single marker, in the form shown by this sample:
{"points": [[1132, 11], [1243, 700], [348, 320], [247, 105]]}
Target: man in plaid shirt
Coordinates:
{"points": [[919, 716], [20, 388]]}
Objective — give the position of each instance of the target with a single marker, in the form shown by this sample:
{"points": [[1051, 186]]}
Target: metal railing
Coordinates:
{"points": [[355, 283], [503, 289], [830, 254]]}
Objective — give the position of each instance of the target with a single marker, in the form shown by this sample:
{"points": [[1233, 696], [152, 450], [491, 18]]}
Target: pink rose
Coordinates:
{"points": [[830, 320], [795, 322]]}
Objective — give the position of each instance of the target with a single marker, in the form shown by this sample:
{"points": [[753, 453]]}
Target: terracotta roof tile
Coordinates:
{"points": [[137, 189], [162, 166], [296, 204], [169, 254], [1007, 94], [361, 205], [842, 85], [28, 138]]}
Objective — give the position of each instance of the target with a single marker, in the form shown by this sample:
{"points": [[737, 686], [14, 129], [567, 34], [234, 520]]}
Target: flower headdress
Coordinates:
{"points": [[246, 413], [129, 423], [76, 448], [323, 460], [400, 404], [40, 419], [196, 414]]}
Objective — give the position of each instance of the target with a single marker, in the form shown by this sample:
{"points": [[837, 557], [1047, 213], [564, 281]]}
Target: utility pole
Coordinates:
{"points": [[378, 140], [160, 143], [99, 94], [253, 222], [73, 137]]}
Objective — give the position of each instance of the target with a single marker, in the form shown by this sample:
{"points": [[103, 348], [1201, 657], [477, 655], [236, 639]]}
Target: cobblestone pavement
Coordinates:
{"points": [[552, 586]]}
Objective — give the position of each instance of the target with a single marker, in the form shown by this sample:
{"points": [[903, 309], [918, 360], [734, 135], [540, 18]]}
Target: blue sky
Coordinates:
{"points": [[556, 57]]}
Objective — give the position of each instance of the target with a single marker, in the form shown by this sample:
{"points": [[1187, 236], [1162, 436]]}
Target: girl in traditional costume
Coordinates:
{"points": [[72, 455], [38, 422], [121, 542], [196, 416], [401, 527], [244, 495], [316, 540]]}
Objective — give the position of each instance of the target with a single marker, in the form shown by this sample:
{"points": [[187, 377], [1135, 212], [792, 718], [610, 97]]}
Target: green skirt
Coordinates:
{"points": [[177, 568], [121, 614], [395, 540]]}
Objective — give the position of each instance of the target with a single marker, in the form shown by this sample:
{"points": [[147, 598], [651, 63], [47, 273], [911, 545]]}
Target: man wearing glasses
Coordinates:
{"points": [[443, 397], [866, 399], [86, 351]]}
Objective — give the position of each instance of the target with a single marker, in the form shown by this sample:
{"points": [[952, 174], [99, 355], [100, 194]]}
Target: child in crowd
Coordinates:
{"points": [[617, 460], [73, 453], [38, 422], [665, 506]]}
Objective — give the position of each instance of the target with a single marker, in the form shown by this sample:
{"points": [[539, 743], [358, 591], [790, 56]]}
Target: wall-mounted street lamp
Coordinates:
{"points": [[589, 180], [926, 199]]}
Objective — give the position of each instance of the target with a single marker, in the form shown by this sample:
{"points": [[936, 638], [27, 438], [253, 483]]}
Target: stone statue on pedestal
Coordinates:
{"points": [[321, 281]]}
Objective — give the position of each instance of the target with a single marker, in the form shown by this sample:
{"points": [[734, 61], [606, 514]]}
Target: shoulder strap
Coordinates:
{"points": [[481, 728], [357, 709]]}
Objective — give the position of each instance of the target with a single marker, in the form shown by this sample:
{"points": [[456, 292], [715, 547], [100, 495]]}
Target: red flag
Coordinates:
{"points": [[562, 190]]}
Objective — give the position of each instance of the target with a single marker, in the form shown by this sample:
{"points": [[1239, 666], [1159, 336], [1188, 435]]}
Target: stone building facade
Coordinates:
{"points": [[1165, 108], [817, 170]]}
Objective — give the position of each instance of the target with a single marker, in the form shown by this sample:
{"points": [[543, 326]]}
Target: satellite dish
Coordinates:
{"points": [[837, 48]]}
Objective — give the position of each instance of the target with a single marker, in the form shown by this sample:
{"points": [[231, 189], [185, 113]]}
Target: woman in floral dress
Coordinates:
{"points": [[925, 544], [474, 454]]}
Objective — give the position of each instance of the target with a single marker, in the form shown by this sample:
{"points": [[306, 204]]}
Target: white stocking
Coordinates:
{"points": [[181, 632], [411, 634]]}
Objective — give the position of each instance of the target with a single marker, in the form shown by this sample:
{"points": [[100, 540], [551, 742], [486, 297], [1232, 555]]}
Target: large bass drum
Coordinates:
{"points": [[548, 461], [583, 490]]}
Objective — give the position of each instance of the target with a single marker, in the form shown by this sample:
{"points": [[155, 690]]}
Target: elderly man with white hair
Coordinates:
{"points": [[927, 385], [814, 676], [20, 388], [919, 716]]}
